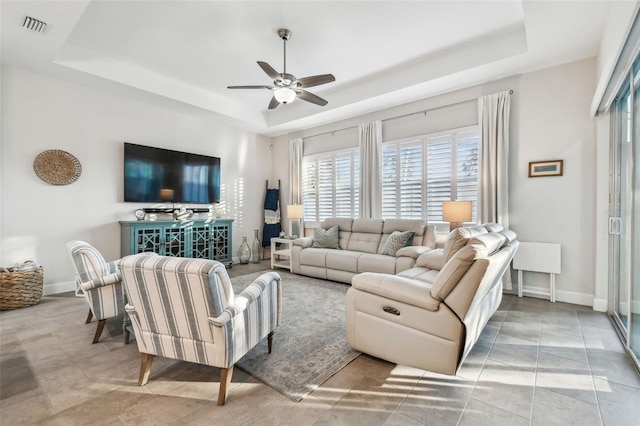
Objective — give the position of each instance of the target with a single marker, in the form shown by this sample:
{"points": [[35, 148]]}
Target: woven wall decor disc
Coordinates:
{"points": [[57, 167]]}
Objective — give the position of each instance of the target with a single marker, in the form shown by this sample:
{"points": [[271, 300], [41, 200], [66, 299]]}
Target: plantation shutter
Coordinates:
{"points": [[310, 189], [467, 170], [343, 186], [418, 175], [411, 161], [330, 185], [389, 181], [402, 180], [325, 188], [439, 177]]}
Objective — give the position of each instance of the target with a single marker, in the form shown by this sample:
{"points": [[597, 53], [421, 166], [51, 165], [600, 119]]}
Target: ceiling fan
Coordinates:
{"points": [[286, 87]]}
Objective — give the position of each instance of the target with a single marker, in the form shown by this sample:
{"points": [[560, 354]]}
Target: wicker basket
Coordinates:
{"points": [[19, 289]]}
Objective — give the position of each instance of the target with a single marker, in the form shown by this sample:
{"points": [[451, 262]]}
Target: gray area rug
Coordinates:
{"points": [[310, 345]]}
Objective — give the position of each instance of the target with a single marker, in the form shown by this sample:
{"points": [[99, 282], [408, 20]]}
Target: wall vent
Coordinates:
{"points": [[34, 24]]}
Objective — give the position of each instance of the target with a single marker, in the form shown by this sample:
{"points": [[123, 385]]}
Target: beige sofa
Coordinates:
{"points": [[430, 316], [361, 242]]}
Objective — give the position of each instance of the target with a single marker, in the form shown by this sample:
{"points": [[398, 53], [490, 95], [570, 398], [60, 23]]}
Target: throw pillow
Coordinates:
{"points": [[326, 238], [396, 241]]}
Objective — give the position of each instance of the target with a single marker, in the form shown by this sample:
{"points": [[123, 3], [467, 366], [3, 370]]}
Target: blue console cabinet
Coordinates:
{"points": [[198, 238]]}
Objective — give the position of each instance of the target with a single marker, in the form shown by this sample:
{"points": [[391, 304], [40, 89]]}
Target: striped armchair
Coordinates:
{"points": [[186, 309], [100, 282]]}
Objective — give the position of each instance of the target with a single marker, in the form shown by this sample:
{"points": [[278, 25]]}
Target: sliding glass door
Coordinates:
{"points": [[633, 217], [624, 221]]}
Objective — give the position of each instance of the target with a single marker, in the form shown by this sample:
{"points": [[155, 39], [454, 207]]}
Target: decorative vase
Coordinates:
{"points": [[256, 248], [244, 253]]}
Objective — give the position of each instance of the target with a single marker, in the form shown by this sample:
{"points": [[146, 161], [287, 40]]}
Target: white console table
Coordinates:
{"points": [[281, 253], [538, 257]]}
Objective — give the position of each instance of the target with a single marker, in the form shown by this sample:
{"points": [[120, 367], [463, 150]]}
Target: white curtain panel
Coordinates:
{"points": [[370, 170], [295, 171], [493, 160]]}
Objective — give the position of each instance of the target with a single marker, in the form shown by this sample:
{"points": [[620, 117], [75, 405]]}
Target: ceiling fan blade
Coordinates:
{"points": [[268, 69], [310, 97], [316, 80], [274, 103], [250, 87]]}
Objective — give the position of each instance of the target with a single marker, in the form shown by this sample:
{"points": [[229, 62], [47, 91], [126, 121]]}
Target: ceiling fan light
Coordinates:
{"points": [[284, 95]]}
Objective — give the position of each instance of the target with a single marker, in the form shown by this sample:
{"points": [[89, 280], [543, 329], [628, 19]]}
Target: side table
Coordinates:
{"points": [[281, 253], [538, 257]]}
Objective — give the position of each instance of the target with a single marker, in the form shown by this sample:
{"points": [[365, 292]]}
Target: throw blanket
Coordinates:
{"points": [[271, 200], [269, 231]]}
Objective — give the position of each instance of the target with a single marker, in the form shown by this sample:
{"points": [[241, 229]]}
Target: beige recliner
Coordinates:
{"points": [[430, 316]]}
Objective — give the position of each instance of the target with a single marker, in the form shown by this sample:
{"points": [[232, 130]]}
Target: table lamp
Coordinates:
{"points": [[295, 212], [456, 212]]}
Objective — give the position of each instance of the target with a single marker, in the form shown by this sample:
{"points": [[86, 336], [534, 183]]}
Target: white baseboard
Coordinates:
{"points": [[58, 288], [575, 298], [600, 305], [561, 296]]}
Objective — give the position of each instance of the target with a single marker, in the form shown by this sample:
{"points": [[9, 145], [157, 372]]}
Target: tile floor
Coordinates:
{"points": [[536, 363]]}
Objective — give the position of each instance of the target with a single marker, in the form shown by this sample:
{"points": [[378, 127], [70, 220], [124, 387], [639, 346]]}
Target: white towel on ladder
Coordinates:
{"points": [[271, 217]]}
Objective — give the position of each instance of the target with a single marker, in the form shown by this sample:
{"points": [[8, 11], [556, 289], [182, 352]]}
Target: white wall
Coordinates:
{"points": [[40, 113], [554, 122], [549, 120]]}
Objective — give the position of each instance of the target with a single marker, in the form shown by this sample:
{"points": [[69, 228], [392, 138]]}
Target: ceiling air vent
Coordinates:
{"points": [[34, 24]]}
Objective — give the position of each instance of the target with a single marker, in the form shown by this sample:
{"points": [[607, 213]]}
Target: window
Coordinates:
{"points": [[402, 188], [331, 185], [418, 174]]}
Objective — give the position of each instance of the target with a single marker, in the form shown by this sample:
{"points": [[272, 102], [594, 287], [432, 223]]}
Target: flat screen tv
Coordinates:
{"points": [[156, 175]]}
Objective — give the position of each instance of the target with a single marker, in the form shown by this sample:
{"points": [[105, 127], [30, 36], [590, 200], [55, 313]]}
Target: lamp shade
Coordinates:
{"points": [[284, 95], [456, 211], [295, 211], [166, 194]]}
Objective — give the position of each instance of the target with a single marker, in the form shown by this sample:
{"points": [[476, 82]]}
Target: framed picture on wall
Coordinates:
{"points": [[545, 168]]}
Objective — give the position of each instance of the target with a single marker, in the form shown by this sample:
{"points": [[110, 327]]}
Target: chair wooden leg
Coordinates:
{"points": [[225, 382], [99, 329], [145, 369], [89, 317], [269, 342]]}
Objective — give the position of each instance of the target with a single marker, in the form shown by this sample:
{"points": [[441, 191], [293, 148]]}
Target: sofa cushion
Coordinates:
{"points": [[370, 262], [412, 251], [432, 259], [396, 241], [453, 271], [459, 238], [343, 223], [491, 243], [365, 235], [425, 275], [395, 288], [314, 256], [509, 235], [343, 260], [326, 238], [364, 242], [345, 228], [493, 227], [370, 226], [401, 225], [429, 238]]}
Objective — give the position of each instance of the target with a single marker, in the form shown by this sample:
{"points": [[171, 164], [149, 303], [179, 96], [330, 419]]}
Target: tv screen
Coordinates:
{"points": [[156, 175]]}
